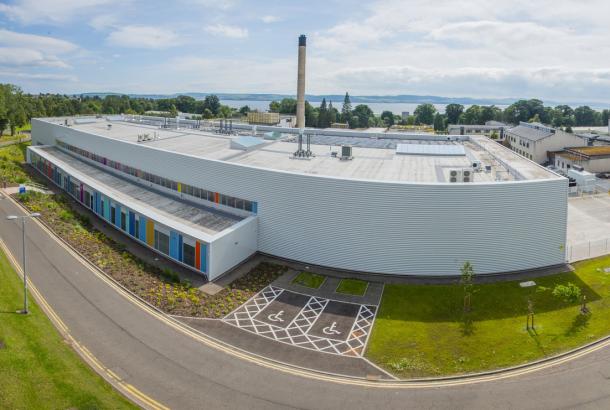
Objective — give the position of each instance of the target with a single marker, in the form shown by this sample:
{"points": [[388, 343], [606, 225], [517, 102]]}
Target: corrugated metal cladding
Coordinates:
{"points": [[370, 226]]}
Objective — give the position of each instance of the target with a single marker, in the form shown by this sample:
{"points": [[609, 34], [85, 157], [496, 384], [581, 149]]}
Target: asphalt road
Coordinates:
{"points": [[184, 373]]}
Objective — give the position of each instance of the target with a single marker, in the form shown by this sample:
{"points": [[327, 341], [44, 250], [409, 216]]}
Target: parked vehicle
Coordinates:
{"points": [[603, 175]]}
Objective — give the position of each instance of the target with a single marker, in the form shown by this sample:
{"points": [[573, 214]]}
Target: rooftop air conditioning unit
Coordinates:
{"points": [[455, 175], [346, 152], [467, 175]]}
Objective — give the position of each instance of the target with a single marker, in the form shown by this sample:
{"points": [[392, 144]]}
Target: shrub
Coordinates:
{"points": [[569, 293]]}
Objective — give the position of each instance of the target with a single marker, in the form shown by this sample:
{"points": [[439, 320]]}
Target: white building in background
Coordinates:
{"points": [[535, 141], [395, 204], [493, 129]]}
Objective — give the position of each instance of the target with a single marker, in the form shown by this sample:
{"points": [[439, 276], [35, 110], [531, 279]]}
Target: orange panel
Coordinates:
{"points": [[216, 197], [197, 255]]}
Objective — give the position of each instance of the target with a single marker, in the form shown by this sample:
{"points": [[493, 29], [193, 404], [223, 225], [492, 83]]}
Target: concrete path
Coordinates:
{"points": [[182, 371]]}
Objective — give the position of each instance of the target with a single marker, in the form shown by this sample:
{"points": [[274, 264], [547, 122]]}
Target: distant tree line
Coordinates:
{"points": [[17, 108]]}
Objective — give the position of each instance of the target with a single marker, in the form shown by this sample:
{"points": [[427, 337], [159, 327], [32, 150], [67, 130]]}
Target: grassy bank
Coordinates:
{"points": [[422, 331], [37, 369]]}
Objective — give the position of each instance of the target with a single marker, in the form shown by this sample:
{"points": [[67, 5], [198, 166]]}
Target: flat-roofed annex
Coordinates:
{"points": [[198, 218], [381, 164]]}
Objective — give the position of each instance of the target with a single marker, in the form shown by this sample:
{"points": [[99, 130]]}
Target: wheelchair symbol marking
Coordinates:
{"points": [[330, 330], [276, 317]]}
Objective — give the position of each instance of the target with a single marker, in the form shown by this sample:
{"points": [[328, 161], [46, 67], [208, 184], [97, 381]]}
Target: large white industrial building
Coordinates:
{"points": [[393, 204]]}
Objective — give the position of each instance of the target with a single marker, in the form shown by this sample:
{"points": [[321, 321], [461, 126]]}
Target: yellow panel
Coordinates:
{"points": [[150, 232], [179, 187]]}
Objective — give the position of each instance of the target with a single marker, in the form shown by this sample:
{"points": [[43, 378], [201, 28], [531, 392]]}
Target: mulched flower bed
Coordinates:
{"points": [[161, 288]]}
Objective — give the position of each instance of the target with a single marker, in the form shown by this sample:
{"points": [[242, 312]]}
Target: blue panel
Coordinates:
{"points": [[142, 235], [204, 257], [180, 249], [254, 207], [173, 245], [117, 215], [132, 223]]}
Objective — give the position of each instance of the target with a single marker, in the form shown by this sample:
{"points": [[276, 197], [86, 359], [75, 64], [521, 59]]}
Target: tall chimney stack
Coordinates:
{"points": [[301, 83]]}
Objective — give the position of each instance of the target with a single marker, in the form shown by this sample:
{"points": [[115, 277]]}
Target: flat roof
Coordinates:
{"points": [[593, 151], [375, 157], [168, 211]]}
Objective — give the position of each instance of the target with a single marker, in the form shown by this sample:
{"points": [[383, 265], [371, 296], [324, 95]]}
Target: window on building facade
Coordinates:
{"points": [[161, 242], [188, 254]]}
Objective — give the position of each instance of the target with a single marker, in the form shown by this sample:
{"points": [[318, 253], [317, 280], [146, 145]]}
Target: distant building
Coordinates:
{"points": [[591, 139], [491, 129], [535, 140], [264, 118], [591, 159], [339, 125]]}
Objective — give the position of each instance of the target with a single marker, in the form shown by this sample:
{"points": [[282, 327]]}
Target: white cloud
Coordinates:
{"points": [[103, 21], [224, 30], [41, 43], [24, 57], [270, 19], [37, 76], [146, 37], [23, 50], [51, 11]]}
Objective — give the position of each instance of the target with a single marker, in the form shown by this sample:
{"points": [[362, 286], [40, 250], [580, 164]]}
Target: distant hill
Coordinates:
{"points": [[356, 99]]}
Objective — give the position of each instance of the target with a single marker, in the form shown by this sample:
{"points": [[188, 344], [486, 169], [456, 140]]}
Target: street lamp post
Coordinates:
{"points": [[25, 310]]}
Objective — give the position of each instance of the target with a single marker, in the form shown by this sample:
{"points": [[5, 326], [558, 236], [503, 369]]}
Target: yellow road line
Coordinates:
{"points": [[303, 372], [80, 348]]}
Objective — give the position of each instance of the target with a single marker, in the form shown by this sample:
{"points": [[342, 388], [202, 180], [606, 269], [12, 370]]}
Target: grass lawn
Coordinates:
{"points": [[37, 369], [309, 279], [421, 331], [354, 287]]}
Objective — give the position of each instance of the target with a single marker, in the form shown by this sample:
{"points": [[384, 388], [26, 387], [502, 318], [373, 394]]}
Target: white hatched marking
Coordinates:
{"points": [[295, 332]]}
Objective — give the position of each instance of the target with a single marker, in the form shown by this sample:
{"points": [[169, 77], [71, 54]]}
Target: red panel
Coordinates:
{"points": [[197, 255], [216, 197]]}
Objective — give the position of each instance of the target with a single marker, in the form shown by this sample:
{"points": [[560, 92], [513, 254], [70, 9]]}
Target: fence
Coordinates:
{"points": [[588, 249]]}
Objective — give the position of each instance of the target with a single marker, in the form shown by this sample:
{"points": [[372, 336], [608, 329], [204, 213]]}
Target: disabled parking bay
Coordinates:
{"points": [[306, 321], [336, 321], [283, 310]]}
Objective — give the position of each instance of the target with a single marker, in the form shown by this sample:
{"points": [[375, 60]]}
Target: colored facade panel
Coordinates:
{"points": [[98, 203], [179, 187], [216, 197], [173, 245], [132, 223], [254, 207], [150, 233], [117, 215], [143, 225], [204, 258], [107, 209], [198, 255], [180, 249], [82, 193]]}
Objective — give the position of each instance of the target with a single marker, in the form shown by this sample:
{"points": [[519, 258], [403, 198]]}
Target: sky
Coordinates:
{"points": [[551, 49]]}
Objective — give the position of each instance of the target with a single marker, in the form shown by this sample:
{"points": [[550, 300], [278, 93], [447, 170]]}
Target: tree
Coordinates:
{"points": [[584, 116], [363, 112], [424, 114], [212, 102], [274, 106], [173, 112], [244, 110], [288, 106], [439, 122], [346, 110], [388, 118], [453, 112], [323, 121], [332, 113], [467, 282], [472, 115]]}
